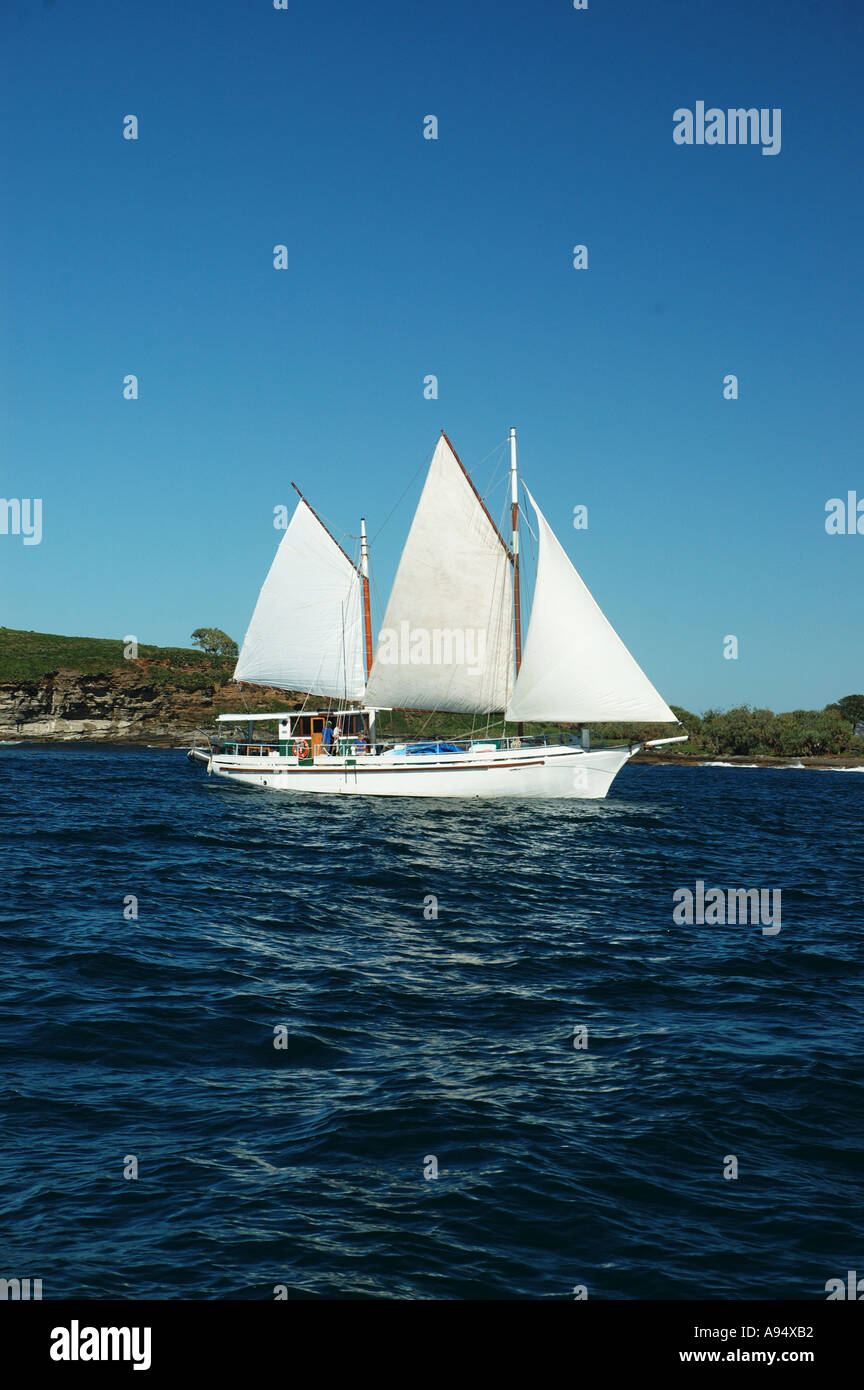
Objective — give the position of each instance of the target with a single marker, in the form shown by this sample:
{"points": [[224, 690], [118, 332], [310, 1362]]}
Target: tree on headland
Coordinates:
{"points": [[851, 708], [214, 641]]}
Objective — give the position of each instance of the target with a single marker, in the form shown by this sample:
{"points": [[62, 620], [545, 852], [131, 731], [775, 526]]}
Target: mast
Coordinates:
{"points": [[514, 524], [514, 545], [367, 612]]}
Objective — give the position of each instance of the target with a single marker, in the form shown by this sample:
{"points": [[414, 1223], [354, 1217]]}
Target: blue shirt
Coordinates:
{"points": [[328, 736]]}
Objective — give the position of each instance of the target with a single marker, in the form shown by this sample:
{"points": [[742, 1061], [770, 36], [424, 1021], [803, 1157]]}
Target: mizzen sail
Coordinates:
{"points": [[446, 642], [306, 632], [574, 665]]}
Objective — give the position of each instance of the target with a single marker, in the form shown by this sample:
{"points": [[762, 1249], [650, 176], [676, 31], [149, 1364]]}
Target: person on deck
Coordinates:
{"points": [[327, 737]]}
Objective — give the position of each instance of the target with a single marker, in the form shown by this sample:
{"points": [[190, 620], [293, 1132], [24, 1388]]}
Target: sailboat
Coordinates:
{"points": [[451, 640]]}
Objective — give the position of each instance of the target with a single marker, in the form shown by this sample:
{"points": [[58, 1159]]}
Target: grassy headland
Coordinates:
{"points": [[28, 656]]}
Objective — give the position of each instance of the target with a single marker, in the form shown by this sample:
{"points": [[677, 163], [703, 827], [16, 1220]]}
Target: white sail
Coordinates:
{"points": [[306, 632], [575, 666], [447, 638]]}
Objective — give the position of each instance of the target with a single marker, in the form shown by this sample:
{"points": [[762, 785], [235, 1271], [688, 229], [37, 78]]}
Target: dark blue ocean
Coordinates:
{"points": [[411, 1038]]}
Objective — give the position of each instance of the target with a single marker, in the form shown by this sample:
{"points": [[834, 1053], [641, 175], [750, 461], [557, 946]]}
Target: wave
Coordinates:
{"points": [[784, 767], [730, 764]]}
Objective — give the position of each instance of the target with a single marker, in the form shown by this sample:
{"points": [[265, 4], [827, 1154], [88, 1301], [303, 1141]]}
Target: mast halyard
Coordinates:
{"points": [[514, 545], [367, 611]]}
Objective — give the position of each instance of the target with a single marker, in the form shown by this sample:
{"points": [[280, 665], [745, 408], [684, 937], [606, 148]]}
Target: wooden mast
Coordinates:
{"points": [[367, 611], [514, 545]]}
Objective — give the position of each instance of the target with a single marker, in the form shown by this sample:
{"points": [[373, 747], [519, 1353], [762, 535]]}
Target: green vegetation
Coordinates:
{"points": [[748, 732], [28, 656], [742, 732], [214, 641], [850, 708], [799, 733]]}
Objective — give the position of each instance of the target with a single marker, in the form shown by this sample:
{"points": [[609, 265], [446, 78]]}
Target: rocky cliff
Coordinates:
{"points": [[131, 705]]}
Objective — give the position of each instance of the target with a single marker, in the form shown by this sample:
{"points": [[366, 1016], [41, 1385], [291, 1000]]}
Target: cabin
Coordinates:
{"points": [[296, 733]]}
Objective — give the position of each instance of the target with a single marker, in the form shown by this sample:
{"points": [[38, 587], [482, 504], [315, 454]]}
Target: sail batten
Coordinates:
{"points": [[575, 667], [446, 639], [306, 632]]}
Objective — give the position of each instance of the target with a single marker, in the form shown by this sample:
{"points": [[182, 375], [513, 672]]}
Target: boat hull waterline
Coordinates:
{"points": [[550, 771]]}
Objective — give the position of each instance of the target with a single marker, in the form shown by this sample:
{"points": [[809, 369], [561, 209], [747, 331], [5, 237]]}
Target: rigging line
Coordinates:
{"points": [[530, 557], [480, 462], [344, 661], [413, 479], [494, 481], [398, 503], [378, 604], [524, 515], [501, 445]]}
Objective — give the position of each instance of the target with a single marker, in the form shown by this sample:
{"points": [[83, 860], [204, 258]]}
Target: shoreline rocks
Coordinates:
{"points": [[124, 706]]}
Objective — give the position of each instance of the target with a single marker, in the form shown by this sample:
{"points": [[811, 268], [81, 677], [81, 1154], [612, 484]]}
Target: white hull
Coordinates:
{"points": [[545, 771]]}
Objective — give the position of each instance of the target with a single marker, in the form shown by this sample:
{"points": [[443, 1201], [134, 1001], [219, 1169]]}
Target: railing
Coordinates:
{"points": [[349, 747], [346, 746], [286, 748]]}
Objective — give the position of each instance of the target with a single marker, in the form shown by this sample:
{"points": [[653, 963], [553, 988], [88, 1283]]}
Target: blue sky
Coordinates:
{"points": [[410, 256]]}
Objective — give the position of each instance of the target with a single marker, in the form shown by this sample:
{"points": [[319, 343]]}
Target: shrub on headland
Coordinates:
{"points": [[802, 732], [745, 731]]}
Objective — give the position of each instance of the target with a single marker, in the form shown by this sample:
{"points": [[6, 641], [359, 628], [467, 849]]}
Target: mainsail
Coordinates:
{"points": [[447, 638], [307, 629], [574, 664]]}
